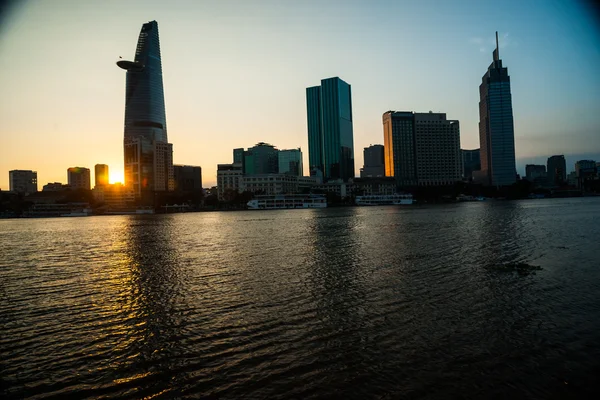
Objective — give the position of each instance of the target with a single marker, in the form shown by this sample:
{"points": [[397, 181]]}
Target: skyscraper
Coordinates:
{"points": [[330, 134], [100, 174], [496, 128], [148, 155], [422, 148]]}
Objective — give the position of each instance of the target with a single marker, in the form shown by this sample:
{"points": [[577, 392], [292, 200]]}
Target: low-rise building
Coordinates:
{"points": [[228, 179], [115, 195]]}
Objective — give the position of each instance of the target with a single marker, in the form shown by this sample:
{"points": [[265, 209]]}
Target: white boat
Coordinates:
{"points": [[384, 199], [283, 201]]}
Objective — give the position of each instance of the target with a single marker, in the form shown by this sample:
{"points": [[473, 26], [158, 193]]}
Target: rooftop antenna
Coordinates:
{"points": [[497, 46], [495, 52]]}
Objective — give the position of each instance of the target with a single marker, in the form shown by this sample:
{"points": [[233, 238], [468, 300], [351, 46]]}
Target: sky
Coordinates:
{"points": [[235, 74]]}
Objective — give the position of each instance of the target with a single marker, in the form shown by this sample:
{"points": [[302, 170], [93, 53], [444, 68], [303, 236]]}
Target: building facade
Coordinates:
{"points": [[100, 174], [114, 196], [422, 148], [228, 179], [534, 172], [330, 131], [260, 159], [188, 178], [496, 125], [79, 178], [471, 162], [556, 171], [22, 181], [290, 162], [148, 155], [374, 162]]}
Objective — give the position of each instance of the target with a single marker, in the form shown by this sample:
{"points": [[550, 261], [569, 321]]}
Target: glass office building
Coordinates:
{"points": [[330, 132], [290, 162], [148, 155], [496, 127]]}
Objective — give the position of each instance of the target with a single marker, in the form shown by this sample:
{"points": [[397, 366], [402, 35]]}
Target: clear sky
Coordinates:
{"points": [[235, 74]]}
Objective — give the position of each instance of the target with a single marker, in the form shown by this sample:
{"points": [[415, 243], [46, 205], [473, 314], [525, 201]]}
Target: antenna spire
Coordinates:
{"points": [[497, 47]]}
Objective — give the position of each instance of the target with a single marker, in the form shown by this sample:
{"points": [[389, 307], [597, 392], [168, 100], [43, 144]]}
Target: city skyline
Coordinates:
{"points": [[60, 110]]}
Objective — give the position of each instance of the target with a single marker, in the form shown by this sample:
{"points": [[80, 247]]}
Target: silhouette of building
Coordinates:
{"points": [[100, 174], [586, 171], [148, 155], [422, 148], [374, 162], [79, 178], [188, 178], [534, 172], [471, 162], [114, 196], [556, 171], [22, 181], [260, 159], [54, 187], [290, 162], [330, 132], [496, 127]]}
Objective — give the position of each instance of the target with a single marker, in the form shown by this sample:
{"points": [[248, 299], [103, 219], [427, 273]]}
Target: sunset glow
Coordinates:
{"points": [[116, 176]]}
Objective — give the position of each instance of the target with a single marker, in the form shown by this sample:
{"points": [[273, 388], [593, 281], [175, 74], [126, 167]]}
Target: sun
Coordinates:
{"points": [[116, 176]]}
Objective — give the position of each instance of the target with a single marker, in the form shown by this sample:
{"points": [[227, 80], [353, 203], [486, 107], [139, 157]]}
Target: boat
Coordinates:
{"points": [[287, 201], [384, 199]]}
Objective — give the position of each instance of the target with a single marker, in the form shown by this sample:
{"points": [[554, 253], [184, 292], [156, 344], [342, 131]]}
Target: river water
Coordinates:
{"points": [[472, 300]]}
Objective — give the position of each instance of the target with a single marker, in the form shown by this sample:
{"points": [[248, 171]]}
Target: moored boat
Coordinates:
{"points": [[287, 201], [384, 199]]}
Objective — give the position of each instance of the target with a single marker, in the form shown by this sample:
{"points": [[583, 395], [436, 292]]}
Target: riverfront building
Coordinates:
{"points": [[330, 131], [290, 162], [471, 162], [228, 179], [78, 178], [188, 178], [22, 181], [100, 174], [260, 159], [535, 173], [148, 155], [374, 162], [556, 170], [422, 149], [496, 126]]}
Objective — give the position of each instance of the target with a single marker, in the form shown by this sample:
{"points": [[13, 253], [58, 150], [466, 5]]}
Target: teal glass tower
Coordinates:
{"points": [[148, 155], [330, 133], [496, 126]]}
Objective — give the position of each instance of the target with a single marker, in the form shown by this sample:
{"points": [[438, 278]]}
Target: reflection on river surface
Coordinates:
{"points": [[471, 300]]}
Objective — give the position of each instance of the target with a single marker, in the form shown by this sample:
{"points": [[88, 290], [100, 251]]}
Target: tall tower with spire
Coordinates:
{"points": [[148, 155], [496, 126]]}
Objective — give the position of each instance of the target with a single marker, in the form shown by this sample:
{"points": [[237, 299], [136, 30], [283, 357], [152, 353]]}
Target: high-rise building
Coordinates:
{"points": [[535, 173], [148, 155], [100, 174], [374, 162], [22, 181], [79, 178], [422, 148], [556, 170], [330, 134], [496, 127], [471, 162], [260, 159], [290, 162], [188, 178]]}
